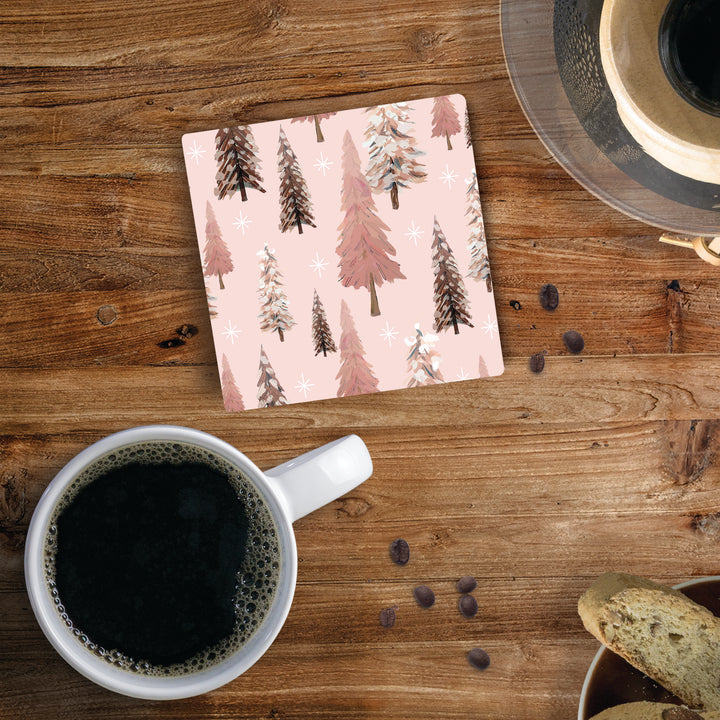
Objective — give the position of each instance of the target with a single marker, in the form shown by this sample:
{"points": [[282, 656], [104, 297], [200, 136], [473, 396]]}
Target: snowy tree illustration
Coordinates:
{"points": [[423, 362], [445, 120], [270, 391], [393, 162], [479, 262], [363, 249], [295, 206], [315, 119], [322, 337], [355, 374], [236, 155], [211, 300], [482, 368], [231, 395], [274, 314], [217, 258], [468, 138], [450, 296]]}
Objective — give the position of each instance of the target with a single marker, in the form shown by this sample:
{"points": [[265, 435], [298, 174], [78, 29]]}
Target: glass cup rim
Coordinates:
{"points": [[99, 670]]}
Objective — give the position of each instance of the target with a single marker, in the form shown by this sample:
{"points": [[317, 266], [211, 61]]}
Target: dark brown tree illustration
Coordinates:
{"points": [[231, 395], [217, 258], [468, 138], [363, 249], [236, 155], [274, 313], [445, 120], [394, 160], [295, 206], [479, 261], [355, 374], [450, 296], [322, 337], [315, 119], [270, 391]]}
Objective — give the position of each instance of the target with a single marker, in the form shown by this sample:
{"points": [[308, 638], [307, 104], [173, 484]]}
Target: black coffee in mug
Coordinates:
{"points": [[162, 558]]}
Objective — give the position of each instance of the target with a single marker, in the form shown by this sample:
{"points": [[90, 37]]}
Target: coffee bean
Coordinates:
{"points": [[468, 605], [573, 341], [478, 658], [387, 617], [537, 363], [399, 551], [424, 595], [466, 584], [515, 305], [549, 296]]}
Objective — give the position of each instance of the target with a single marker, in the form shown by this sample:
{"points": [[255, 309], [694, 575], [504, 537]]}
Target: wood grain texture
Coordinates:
{"points": [[533, 483]]}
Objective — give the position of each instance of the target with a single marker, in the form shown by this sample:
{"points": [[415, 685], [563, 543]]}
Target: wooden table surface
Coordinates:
{"points": [[533, 483]]}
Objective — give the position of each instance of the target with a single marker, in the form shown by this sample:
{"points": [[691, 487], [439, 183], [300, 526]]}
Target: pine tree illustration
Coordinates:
{"points": [[316, 119], [445, 120], [217, 258], [231, 395], [393, 162], [270, 391], [236, 155], [322, 337], [423, 363], [479, 262], [450, 296], [468, 138], [274, 315], [295, 205], [355, 374], [482, 368], [211, 300], [363, 249]]}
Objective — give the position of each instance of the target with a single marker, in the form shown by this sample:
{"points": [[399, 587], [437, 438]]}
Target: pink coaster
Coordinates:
{"points": [[344, 253]]}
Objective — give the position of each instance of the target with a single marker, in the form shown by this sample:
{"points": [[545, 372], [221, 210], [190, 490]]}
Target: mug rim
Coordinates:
{"points": [[99, 670], [596, 658]]}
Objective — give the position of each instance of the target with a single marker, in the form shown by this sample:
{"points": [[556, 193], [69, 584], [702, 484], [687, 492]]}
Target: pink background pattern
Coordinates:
{"points": [[309, 262]]}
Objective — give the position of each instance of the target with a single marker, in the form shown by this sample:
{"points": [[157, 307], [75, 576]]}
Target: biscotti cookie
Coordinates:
{"points": [[653, 711], [661, 632]]}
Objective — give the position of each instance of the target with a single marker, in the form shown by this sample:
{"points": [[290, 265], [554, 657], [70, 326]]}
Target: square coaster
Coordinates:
{"points": [[344, 253]]}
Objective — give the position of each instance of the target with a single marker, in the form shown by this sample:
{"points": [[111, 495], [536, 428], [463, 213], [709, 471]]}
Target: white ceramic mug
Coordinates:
{"points": [[290, 491]]}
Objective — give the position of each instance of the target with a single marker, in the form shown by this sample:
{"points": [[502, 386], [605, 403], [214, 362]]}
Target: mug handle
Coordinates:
{"points": [[320, 476]]}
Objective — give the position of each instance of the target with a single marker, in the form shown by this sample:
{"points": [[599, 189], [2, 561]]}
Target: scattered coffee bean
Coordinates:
{"points": [[466, 584], [399, 551], [478, 658], [515, 305], [537, 363], [549, 296], [387, 617], [424, 595], [573, 341], [468, 606]]}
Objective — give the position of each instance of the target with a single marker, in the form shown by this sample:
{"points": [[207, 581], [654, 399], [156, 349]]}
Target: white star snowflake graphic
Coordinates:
{"points": [[490, 326], [304, 385], [388, 333], [462, 375], [323, 164], [448, 176], [318, 264], [196, 152], [231, 332], [414, 233], [241, 223]]}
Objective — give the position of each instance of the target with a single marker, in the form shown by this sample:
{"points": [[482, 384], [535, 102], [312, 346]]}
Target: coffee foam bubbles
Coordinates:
{"points": [[257, 579]]}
